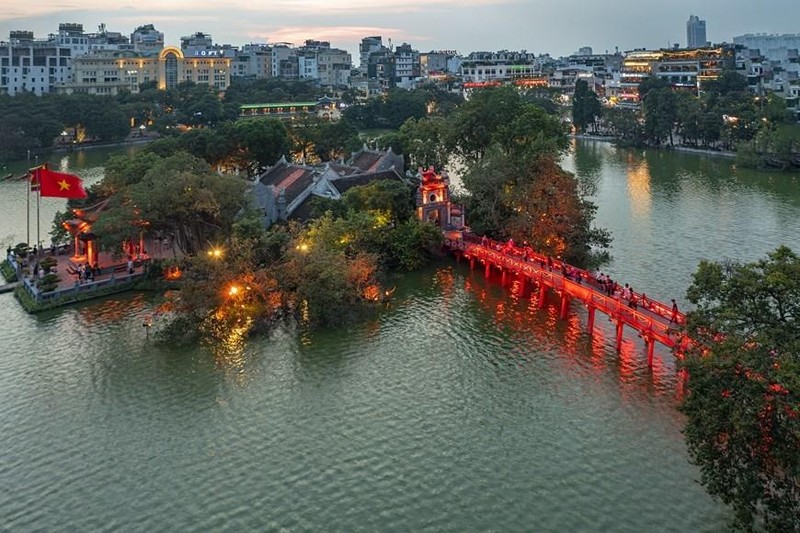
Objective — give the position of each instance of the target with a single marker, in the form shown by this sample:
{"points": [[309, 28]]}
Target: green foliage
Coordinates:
{"points": [[48, 283], [328, 280], [8, 273], [473, 127], [586, 108], [548, 98], [531, 134], [411, 245], [271, 91], [661, 114], [777, 147], [423, 142], [390, 111], [743, 414], [624, 125], [178, 195], [393, 198], [211, 145], [48, 263], [315, 139], [728, 82], [261, 141], [29, 123], [515, 187]]}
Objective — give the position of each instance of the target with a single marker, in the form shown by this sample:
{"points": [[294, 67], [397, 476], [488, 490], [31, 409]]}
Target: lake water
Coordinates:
{"points": [[458, 407]]}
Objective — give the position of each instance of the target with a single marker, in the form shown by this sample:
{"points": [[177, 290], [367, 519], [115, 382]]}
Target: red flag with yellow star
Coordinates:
{"points": [[57, 184]]}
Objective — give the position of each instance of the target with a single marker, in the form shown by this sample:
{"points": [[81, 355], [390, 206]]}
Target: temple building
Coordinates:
{"points": [[433, 201], [285, 190]]}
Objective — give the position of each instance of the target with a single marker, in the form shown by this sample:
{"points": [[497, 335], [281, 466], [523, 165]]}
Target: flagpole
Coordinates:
{"points": [[38, 202], [28, 203]]}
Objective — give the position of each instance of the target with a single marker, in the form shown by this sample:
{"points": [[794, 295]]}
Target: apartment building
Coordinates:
{"points": [[29, 65]]}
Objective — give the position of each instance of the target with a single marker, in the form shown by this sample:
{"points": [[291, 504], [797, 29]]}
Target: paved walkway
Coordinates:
{"points": [[67, 266]]}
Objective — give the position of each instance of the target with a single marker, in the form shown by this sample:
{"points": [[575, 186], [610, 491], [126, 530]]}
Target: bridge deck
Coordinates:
{"points": [[653, 320]]}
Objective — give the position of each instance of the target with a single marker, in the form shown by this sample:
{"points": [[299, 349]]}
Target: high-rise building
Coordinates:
{"points": [[368, 46], [30, 65], [695, 32]]}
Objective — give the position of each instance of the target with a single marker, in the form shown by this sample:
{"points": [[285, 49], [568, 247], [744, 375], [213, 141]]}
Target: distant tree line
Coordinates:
{"points": [[725, 116]]}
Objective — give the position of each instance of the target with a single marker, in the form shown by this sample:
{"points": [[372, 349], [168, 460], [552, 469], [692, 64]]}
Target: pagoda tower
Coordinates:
{"points": [[433, 201]]}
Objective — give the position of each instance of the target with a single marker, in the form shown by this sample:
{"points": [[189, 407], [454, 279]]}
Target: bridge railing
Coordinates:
{"points": [[558, 273]]}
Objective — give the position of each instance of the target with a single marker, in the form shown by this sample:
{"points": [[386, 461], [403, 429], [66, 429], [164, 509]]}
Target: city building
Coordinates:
{"points": [[772, 65], [109, 72], [695, 32], [30, 65], [366, 48], [253, 61], [108, 40], [381, 68], [147, 40], [600, 71], [201, 44], [406, 66], [683, 69], [334, 67], [70, 35]]}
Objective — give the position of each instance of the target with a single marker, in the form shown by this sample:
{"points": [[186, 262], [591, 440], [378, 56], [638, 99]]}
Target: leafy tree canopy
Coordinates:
{"points": [[743, 407]]}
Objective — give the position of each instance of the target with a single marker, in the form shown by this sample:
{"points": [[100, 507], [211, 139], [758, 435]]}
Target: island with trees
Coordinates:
{"points": [[238, 277]]}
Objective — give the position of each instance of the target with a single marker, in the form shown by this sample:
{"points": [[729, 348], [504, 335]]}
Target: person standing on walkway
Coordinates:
{"points": [[674, 317]]}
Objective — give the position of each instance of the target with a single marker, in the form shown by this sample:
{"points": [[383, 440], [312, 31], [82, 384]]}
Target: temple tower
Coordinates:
{"points": [[433, 201]]}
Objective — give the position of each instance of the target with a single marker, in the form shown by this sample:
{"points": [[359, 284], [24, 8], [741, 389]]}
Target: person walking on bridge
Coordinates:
{"points": [[674, 317]]}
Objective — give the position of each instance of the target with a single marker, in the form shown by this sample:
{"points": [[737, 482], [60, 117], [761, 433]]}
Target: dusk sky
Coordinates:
{"points": [[558, 27]]}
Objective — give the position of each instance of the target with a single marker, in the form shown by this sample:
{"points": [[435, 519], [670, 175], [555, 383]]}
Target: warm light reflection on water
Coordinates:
{"points": [[639, 188], [228, 347], [570, 337]]}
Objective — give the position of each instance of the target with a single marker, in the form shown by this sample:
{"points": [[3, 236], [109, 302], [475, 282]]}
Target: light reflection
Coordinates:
{"points": [[225, 335], [544, 329], [639, 189]]}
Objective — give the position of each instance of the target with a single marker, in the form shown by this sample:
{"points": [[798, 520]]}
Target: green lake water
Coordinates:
{"points": [[458, 407]]}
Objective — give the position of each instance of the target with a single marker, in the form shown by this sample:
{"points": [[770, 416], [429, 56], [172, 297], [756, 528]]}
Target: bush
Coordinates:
{"points": [[48, 283], [48, 263]]}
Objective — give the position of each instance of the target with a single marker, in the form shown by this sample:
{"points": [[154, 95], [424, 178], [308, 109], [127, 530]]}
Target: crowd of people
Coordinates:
{"points": [[600, 281]]}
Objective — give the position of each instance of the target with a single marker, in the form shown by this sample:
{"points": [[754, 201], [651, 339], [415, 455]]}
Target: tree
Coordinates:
{"points": [[474, 125], [625, 124], [178, 195], [660, 114], [261, 141], [743, 407], [423, 142], [335, 140], [327, 283], [516, 188], [392, 198], [586, 107]]}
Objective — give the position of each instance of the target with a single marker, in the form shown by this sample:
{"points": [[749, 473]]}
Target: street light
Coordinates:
{"points": [[141, 130]]}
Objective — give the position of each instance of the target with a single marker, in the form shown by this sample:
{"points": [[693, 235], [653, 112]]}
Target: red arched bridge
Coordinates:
{"points": [[654, 321]]}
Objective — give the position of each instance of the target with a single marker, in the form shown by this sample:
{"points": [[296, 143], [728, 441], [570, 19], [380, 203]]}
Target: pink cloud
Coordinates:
{"points": [[298, 34]]}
